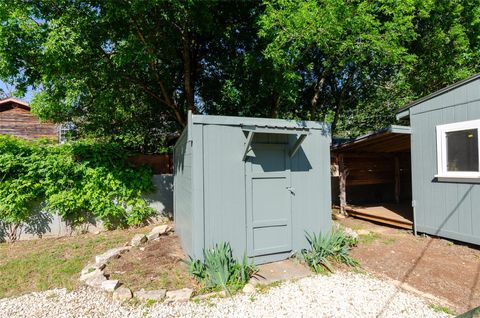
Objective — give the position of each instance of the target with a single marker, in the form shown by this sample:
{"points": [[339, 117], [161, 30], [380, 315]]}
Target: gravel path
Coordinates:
{"points": [[338, 295]]}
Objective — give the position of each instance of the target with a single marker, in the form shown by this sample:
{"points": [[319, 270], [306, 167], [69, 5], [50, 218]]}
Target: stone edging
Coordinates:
{"points": [[93, 274]]}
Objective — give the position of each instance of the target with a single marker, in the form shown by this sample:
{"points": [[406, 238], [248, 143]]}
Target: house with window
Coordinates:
{"points": [[423, 175], [16, 119], [445, 161]]}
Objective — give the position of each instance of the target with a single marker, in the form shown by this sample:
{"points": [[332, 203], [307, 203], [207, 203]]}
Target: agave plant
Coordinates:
{"points": [[220, 269], [326, 247]]}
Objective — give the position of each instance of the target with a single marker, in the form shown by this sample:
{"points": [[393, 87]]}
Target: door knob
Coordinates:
{"points": [[291, 189]]}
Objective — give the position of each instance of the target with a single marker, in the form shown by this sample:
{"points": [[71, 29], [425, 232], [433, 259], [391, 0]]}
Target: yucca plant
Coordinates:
{"points": [[324, 248], [220, 269]]}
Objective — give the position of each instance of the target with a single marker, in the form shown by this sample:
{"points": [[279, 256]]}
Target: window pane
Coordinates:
{"points": [[462, 150]]}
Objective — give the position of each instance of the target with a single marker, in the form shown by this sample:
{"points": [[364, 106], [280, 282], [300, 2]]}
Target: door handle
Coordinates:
{"points": [[291, 189]]}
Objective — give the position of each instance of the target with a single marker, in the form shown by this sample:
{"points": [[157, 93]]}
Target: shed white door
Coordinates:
{"points": [[269, 209]]}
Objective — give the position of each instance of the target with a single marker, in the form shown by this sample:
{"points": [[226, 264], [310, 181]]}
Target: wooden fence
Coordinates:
{"points": [[160, 164]]}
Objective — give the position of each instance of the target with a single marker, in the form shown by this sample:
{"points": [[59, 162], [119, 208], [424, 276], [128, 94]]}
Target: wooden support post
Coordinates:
{"points": [[343, 173], [397, 180]]}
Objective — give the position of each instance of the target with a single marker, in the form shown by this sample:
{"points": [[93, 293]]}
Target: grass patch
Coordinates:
{"points": [[38, 265], [263, 288], [372, 237], [442, 309]]}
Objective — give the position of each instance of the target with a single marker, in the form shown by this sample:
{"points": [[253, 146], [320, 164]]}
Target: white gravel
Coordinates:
{"points": [[338, 295]]}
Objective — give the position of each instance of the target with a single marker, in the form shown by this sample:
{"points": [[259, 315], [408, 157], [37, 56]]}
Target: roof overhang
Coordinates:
{"points": [[387, 140], [300, 132], [405, 111], [16, 101]]}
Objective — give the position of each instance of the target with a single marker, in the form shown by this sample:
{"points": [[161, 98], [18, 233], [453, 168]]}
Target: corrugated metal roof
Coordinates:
{"points": [[393, 129], [258, 122]]}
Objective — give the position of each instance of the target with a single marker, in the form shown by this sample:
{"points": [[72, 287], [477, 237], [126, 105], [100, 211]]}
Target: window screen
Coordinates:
{"points": [[462, 150]]}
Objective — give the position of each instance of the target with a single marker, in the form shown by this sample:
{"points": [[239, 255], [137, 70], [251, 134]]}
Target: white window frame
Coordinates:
{"points": [[455, 176]]}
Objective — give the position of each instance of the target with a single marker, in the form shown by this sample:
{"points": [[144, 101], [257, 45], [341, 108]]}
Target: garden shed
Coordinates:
{"points": [[256, 183], [445, 161]]}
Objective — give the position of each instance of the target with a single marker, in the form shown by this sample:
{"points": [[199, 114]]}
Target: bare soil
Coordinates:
{"points": [[159, 266], [445, 269]]}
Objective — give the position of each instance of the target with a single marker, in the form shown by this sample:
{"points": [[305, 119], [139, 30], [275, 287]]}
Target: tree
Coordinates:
{"points": [[126, 69], [337, 52]]}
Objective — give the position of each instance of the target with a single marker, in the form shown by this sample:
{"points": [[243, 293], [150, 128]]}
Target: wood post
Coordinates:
{"points": [[343, 173], [397, 180]]}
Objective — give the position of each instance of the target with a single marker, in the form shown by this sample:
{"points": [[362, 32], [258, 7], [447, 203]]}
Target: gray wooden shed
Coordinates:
{"points": [[445, 161], [256, 183]]}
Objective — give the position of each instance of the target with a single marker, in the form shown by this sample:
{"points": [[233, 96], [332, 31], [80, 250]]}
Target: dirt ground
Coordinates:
{"points": [[445, 269], [159, 266]]}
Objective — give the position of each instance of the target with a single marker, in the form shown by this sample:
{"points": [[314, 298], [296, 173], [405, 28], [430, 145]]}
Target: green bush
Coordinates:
{"points": [[220, 270], [327, 247], [80, 181]]}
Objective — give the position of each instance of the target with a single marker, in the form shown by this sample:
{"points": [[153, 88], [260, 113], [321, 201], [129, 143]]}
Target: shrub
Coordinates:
{"points": [[220, 270], [324, 248], [79, 181]]}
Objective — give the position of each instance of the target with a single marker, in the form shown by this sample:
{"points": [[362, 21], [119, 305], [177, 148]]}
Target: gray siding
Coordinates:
{"points": [[224, 187], [443, 208], [211, 190], [183, 196], [311, 180]]}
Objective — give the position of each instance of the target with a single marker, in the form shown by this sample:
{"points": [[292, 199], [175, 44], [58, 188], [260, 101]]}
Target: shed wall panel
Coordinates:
{"points": [[224, 185], [183, 196], [443, 208], [310, 175]]}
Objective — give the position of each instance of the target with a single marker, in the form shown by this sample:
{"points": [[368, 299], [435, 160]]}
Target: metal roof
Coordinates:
{"points": [[377, 139], [258, 122], [435, 94]]}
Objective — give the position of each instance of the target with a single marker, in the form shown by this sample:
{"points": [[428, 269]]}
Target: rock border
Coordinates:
{"points": [[93, 274]]}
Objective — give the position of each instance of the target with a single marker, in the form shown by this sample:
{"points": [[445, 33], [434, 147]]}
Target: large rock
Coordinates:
{"points": [[122, 294], [91, 273], [155, 295], [249, 289], [96, 281], [159, 230], [91, 268], [138, 239], [110, 285], [110, 254], [179, 295]]}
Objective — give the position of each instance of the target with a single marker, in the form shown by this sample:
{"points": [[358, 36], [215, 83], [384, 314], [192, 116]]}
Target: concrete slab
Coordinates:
{"points": [[279, 271]]}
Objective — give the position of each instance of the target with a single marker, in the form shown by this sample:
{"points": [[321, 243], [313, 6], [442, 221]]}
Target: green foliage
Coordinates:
{"points": [[129, 71], [80, 181], [443, 309], [220, 270], [327, 247]]}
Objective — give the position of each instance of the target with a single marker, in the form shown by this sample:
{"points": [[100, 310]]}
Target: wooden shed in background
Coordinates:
{"points": [[372, 176], [17, 120]]}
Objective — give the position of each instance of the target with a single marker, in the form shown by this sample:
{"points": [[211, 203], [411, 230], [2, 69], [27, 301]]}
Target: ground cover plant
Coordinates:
{"points": [[325, 248], [80, 181], [220, 270]]}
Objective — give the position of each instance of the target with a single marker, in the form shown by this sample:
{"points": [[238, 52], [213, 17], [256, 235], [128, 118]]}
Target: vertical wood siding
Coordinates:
{"points": [[182, 198], [446, 209]]}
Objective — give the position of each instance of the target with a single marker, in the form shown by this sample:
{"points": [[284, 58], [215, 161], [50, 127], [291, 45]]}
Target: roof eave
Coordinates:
{"points": [[437, 93]]}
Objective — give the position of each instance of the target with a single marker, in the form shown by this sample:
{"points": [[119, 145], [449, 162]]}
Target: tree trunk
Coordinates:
{"points": [[316, 95], [188, 80], [343, 174]]}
